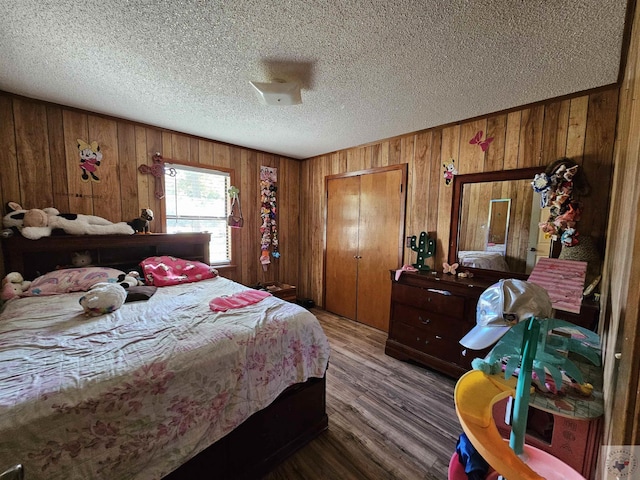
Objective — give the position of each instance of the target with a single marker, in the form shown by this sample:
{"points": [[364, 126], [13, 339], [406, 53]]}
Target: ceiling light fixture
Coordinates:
{"points": [[278, 92]]}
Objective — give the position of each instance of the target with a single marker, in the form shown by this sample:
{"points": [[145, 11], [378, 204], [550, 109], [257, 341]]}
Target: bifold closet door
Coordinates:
{"points": [[364, 242], [379, 245], [341, 265]]}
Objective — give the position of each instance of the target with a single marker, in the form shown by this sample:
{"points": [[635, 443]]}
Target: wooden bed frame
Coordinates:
{"points": [[262, 441]]}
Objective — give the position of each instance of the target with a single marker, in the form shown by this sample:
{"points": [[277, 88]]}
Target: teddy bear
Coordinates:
{"points": [[103, 298], [13, 285], [37, 223]]}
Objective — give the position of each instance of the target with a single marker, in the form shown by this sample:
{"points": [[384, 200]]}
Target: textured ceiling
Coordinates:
{"points": [[369, 69]]}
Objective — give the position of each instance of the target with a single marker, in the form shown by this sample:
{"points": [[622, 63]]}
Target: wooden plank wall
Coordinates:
{"points": [[581, 128], [620, 329], [40, 168]]}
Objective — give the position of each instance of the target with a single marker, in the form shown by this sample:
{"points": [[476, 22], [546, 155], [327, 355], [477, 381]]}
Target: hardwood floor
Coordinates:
{"points": [[387, 419]]}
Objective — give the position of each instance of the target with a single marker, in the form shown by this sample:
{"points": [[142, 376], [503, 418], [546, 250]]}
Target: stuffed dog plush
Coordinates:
{"points": [[36, 223], [141, 224]]}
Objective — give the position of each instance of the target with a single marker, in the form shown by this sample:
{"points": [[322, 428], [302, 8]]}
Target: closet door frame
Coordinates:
{"points": [[403, 168]]}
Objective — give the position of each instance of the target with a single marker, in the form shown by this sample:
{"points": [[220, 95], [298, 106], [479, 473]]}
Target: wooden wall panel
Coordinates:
{"points": [[620, 321], [577, 126], [58, 160], [33, 147], [581, 128], [598, 169], [10, 179], [128, 170], [41, 167], [107, 195], [496, 129]]}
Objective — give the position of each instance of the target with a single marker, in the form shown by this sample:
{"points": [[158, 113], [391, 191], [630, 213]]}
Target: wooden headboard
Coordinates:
{"points": [[35, 257]]}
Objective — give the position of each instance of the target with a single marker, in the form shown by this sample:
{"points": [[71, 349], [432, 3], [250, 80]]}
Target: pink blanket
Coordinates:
{"points": [[237, 300]]}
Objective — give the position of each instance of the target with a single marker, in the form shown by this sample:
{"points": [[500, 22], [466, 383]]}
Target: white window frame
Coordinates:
{"points": [[221, 218]]}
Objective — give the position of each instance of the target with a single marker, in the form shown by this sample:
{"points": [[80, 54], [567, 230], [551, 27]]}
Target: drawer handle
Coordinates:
{"points": [[440, 292], [438, 337], [426, 342], [425, 322]]}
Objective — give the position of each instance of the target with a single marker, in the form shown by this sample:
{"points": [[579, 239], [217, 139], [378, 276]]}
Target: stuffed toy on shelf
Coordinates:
{"points": [[37, 223]]}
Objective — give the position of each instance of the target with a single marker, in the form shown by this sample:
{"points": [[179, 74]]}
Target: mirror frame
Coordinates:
{"points": [[459, 181]]}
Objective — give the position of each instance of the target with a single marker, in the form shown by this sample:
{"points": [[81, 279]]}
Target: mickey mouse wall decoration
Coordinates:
{"points": [[449, 172], [90, 158]]}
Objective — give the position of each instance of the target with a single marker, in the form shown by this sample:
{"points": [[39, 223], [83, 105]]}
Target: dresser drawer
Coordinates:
{"points": [[433, 323], [429, 299], [427, 342]]}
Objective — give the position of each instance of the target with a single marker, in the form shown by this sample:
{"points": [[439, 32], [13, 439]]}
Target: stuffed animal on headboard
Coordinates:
{"points": [[81, 259], [36, 223], [141, 224]]}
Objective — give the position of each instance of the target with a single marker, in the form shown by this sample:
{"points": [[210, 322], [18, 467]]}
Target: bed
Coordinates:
{"points": [[483, 259], [161, 388]]}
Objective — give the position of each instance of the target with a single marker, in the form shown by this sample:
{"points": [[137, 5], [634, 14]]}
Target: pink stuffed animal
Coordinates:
{"points": [[13, 285]]}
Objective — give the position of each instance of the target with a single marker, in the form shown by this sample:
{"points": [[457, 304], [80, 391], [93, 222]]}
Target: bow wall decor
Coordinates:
{"points": [[268, 210]]}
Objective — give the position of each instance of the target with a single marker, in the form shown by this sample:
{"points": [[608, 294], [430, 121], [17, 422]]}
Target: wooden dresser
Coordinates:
{"points": [[431, 312]]}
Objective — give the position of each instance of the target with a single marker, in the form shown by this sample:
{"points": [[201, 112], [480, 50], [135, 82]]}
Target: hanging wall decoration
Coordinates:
{"points": [[235, 219], [268, 211], [449, 172], [158, 170], [558, 186], [90, 158], [477, 140]]}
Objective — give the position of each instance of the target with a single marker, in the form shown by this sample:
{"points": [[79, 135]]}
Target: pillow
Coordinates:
{"points": [[164, 270], [140, 292], [71, 280]]}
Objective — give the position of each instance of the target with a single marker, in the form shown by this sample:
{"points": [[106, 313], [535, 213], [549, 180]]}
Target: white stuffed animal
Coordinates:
{"points": [[37, 223], [103, 298]]}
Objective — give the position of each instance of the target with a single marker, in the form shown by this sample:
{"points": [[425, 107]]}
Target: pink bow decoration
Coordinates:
{"points": [[477, 140], [449, 268], [405, 268]]}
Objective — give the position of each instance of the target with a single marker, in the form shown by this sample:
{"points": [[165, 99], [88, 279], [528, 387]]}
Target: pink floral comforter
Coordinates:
{"points": [[135, 393]]}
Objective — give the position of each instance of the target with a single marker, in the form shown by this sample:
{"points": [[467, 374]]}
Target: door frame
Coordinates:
{"points": [[403, 167]]}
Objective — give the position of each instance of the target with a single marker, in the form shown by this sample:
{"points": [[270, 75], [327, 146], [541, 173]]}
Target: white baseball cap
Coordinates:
{"points": [[501, 306]]}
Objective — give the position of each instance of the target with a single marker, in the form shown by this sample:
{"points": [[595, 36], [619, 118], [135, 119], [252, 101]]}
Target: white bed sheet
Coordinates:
{"points": [[135, 393], [481, 259]]}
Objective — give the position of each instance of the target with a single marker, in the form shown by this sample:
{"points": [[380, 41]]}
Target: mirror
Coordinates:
{"points": [[494, 223]]}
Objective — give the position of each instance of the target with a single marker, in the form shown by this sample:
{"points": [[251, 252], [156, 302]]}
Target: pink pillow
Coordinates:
{"points": [[71, 280], [164, 270]]}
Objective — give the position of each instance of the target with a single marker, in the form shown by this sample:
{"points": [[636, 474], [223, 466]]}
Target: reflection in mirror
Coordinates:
{"points": [[498, 225], [496, 222]]}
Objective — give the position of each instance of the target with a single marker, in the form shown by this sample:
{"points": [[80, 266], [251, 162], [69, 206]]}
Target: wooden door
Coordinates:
{"points": [[364, 241], [379, 245], [341, 265]]}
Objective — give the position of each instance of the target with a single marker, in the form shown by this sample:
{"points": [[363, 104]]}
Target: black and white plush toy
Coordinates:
{"points": [[141, 224], [35, 223], [127, 280]]}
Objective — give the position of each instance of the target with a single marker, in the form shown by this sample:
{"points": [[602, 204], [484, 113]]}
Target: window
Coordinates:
{"points": [[196, 200]]}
